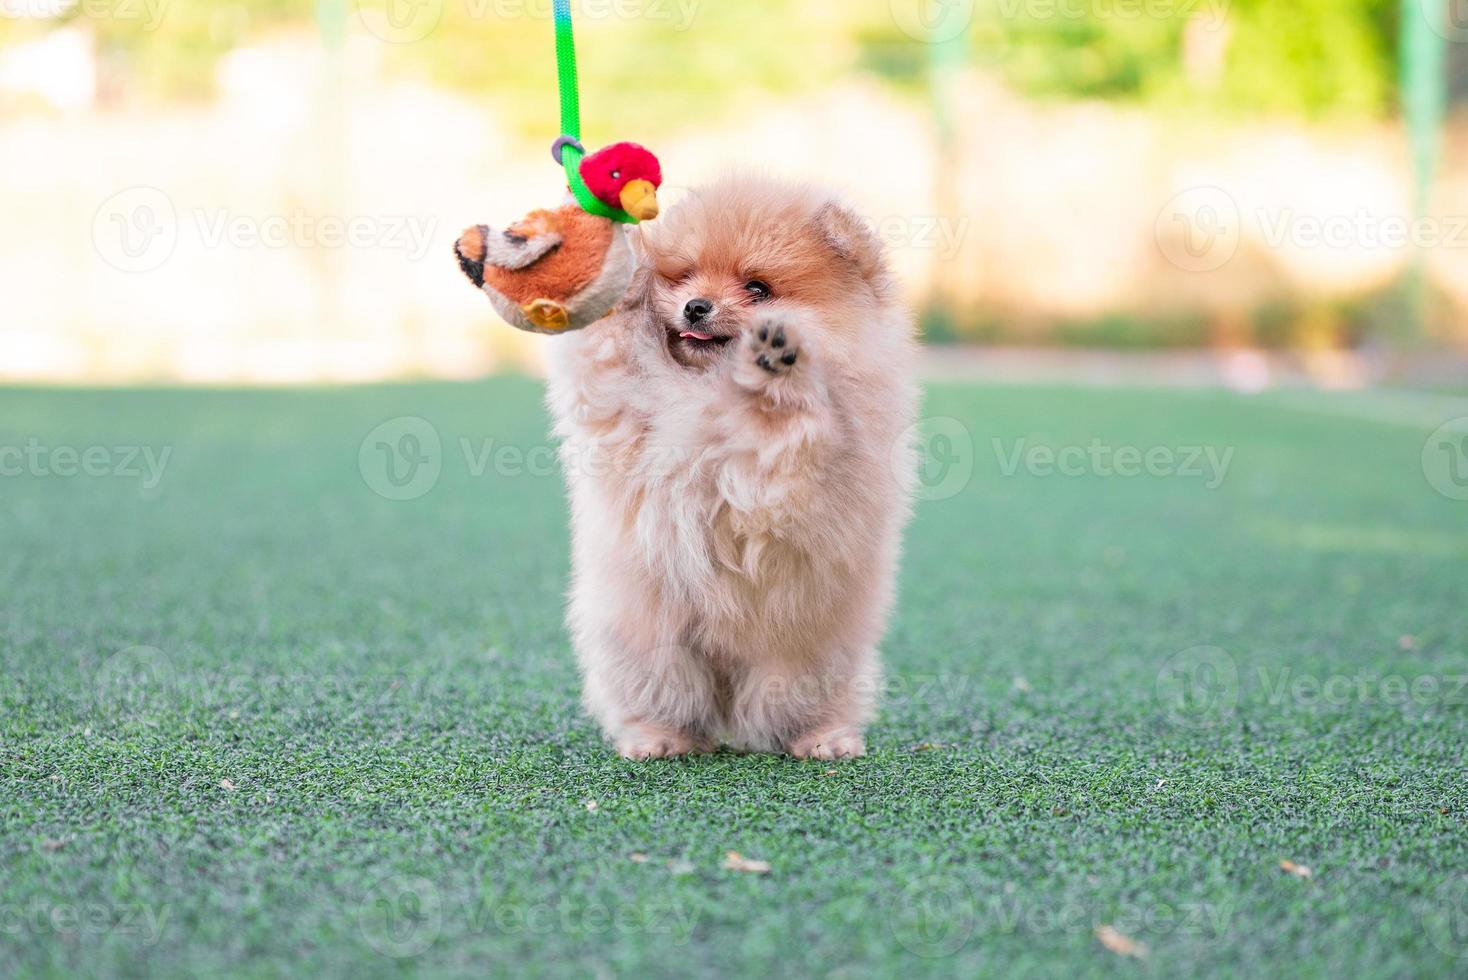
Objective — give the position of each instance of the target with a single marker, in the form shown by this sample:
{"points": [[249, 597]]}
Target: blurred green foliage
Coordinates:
{"points": [[1314, 56], [162, 50], [681, 61], [1297, 57], [654, 60]]}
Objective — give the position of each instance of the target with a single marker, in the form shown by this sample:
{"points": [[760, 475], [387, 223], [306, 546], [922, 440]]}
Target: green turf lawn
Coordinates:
{"points": [[387, 689]]}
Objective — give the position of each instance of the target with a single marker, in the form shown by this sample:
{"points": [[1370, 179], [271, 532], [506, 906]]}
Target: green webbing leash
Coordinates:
{"points": [[568, 150], [1425, 33]]}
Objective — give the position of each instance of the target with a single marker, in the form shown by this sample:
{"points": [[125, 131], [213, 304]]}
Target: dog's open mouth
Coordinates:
{"points": [[696, 348]]}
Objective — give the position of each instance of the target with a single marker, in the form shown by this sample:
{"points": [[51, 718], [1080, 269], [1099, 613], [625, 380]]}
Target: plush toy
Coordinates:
{"points": [[564, 269]]}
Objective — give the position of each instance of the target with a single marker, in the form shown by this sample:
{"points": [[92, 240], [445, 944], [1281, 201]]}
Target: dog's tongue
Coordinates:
{"points": [[696, 335]]}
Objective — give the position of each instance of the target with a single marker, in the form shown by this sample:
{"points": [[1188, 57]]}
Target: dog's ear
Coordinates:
{"points": [[854, 239], [643, 270]]}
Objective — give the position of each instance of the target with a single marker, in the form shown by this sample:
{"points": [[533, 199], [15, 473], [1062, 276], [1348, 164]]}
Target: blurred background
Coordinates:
{"points": [[266, 191]]}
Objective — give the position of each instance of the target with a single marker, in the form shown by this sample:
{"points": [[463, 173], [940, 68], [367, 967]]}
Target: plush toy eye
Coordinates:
{"points": [[616, 175], [758, 289]]}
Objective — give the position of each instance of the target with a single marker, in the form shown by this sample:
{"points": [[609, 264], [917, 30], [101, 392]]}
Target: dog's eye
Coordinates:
{"points": [[758, 289]]}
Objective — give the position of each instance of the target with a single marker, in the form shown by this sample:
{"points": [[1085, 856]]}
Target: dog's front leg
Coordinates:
{"points": [[784, 474], [654, 701], [778, 366], [777, 431]]}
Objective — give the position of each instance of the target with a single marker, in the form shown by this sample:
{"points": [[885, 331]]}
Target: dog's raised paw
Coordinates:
{"points": [[774, 347]]}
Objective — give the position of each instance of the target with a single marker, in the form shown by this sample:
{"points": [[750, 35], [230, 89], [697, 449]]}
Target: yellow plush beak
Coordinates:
{"points": [[640, 199]]}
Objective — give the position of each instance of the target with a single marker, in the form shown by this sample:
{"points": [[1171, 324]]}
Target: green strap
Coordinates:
{"points": [[572, 153], [1424, 93]]}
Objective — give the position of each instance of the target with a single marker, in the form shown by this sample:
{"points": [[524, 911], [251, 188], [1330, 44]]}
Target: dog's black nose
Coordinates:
{"points": [[697, 309]]}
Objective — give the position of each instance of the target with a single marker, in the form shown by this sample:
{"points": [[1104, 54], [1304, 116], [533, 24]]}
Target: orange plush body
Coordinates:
{"points": [[565, 268]]}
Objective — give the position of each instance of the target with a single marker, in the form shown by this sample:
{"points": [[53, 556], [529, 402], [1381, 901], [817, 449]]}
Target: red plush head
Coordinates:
{"points": [[625, 176]]}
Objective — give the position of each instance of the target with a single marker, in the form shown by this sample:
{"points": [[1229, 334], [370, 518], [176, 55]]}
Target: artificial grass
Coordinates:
{"points": [[260, 720]]}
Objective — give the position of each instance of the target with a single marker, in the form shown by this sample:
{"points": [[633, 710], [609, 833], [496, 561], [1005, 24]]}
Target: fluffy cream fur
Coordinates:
{"points": [[738, 503]]}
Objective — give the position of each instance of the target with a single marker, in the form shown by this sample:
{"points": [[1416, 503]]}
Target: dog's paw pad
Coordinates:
{"points": [[774, 348]]}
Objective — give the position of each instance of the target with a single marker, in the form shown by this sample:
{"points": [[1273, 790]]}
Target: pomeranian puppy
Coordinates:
{"points": [[734, 440]]}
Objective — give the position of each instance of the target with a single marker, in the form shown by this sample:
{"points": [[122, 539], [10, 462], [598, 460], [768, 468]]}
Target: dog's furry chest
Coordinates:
{"points": [[711, 516], [706, 520]]}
